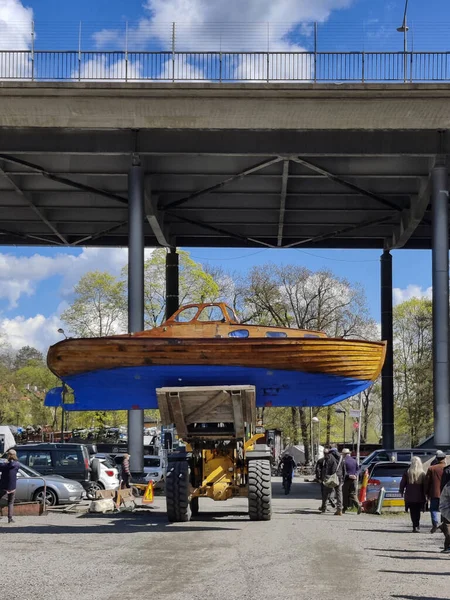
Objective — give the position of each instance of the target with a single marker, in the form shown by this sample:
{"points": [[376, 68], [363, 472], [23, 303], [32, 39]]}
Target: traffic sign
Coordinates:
{"points": [[355, 413]]}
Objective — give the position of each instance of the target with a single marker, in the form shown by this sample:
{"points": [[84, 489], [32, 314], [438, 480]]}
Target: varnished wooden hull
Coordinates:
{"points": [[355, 359]]}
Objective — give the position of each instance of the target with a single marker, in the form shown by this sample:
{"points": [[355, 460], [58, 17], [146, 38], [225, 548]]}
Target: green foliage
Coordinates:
{"points": [[413, 369], [26, 355], [195, 285], [99, 306]]}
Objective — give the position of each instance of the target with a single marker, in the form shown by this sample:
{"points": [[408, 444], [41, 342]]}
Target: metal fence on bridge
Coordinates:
{"points": [[224, 52], [41, 65]]}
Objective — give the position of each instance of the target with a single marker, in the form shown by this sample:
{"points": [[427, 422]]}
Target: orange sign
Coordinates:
{"points": [[148, 494]]}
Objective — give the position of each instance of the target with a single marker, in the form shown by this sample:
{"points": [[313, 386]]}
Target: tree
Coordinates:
{"points": [[293, 296], [99, 307], [195, 285], [413, 368], [26, 355]]}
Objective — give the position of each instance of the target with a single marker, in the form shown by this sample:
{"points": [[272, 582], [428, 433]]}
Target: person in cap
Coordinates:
{"points": [[8, 481], [433, 488], [350, 487]]}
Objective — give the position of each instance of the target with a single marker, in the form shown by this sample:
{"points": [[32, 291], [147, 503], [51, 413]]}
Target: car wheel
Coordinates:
{"points": [[51, 499], [94, 487]]}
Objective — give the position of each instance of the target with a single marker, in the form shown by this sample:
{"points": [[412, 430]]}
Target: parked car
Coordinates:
{"points": [[399, 455], [59, 490], [107, 477], [68, 460], [387, 475], [154, 469]]}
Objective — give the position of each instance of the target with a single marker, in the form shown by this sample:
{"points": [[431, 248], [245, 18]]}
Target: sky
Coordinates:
{"points": [[36, 284]]}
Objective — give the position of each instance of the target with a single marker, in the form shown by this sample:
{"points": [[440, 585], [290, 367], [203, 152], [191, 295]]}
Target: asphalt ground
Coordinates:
{"points": [[300, 554]]}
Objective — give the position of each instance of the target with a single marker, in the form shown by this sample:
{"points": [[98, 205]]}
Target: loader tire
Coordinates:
{"points": [[259, 490], [177, 492], [194, 506]]}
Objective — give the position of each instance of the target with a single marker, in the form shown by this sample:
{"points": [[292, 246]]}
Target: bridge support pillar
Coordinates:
{"points": [[136, 246], [172, 282], [440, 264], [387, 374]]}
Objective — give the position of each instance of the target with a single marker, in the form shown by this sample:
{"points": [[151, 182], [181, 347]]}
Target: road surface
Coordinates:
{"points": [[299, 555]]}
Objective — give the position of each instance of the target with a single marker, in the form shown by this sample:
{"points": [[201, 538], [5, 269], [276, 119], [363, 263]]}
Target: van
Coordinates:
{"points": [[68, 460]]}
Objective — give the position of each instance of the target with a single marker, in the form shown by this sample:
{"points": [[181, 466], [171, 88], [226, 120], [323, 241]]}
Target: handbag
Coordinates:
{"points": [[333, 480]]}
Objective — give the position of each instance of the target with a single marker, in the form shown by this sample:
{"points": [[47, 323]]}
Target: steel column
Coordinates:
{"points": [[440, 264], [172, 282], [136, 298], [387, 374]]}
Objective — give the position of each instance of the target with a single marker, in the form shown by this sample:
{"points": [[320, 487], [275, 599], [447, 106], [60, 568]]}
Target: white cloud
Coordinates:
{"points": [[15, 25], [20, 275], [15, 34], [38, 331], [233, 26], [411, 291]]}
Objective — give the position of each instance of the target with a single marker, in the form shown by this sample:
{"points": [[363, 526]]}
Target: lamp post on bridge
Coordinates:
{"points": [[404, 29]]}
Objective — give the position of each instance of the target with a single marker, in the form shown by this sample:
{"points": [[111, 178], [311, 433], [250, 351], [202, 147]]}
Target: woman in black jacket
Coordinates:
{"points": [[8, 481]]}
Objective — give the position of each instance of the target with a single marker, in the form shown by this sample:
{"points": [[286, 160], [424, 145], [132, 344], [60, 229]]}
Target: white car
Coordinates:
{"points": [[108, 474], [154, 469]]}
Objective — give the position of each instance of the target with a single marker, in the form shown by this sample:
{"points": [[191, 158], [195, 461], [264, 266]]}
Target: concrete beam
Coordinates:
{"points": [[220, 106], [410, 218], [225, 142]]}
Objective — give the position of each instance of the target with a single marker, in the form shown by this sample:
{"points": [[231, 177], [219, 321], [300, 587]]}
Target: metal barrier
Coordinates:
{"points": [[358, 67]]}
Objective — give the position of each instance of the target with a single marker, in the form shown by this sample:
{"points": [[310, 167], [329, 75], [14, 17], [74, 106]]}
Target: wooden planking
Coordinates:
{"points": [[202, 413], [176, 410], [237, 399], [352, 358]]}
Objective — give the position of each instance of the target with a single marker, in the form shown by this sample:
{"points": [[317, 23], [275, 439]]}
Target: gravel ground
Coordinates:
{"points": [[299, 555]]}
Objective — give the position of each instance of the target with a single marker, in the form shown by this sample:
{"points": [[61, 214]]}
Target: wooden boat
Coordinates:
{"points": [[204, 344]]}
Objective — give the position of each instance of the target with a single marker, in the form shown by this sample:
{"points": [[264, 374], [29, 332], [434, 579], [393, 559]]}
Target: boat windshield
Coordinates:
{"points": [[187, 314], [212, 313]]}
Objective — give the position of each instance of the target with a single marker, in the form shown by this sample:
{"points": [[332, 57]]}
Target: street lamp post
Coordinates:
{"points": [[342, 411], [404, 29], [317, 420]]}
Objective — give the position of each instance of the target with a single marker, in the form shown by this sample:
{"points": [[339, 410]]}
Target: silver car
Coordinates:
{"points": [[30, 487]]}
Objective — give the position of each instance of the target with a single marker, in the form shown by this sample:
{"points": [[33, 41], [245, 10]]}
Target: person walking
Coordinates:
{"points": [[350, 487], [433, 488], [126, 473], [413, 487], [444, 507], [332, 465], [340, 472], [8, 481]]}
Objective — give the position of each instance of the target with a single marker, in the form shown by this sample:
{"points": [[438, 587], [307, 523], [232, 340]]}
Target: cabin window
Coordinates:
{"points": [[211, 313], [311, 335], [276, 334], [187, 314], [239, 333], [231, 314]]}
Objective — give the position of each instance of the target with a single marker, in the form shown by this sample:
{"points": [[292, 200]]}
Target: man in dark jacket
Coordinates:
{"points": [[332, 464], [433, 488], [350, 487], [8, 481], [340, 472]]}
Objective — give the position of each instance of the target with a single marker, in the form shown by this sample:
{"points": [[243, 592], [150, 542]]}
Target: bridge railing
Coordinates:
{"points": [[393, 67]]}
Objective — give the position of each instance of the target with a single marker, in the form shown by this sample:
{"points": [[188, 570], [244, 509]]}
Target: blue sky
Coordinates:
{"points": [[36, 284]]}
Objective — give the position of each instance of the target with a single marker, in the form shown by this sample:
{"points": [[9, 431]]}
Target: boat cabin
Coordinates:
{"points": [[218, 320]]}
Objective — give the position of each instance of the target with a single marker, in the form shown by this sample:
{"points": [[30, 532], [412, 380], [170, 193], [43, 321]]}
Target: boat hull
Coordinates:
{"points": [[127, 388]]}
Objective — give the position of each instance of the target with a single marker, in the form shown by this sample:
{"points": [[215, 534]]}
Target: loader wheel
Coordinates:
{"points": [[177, 492], [259, 490], [194, 506]]}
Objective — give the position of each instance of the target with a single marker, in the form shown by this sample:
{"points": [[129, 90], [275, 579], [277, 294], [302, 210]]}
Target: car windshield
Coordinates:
{"points": [[392, 470], [29, 472]]}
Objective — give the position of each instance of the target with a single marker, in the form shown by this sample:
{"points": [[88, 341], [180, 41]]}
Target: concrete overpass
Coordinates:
{"points": [[202, 164]]}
